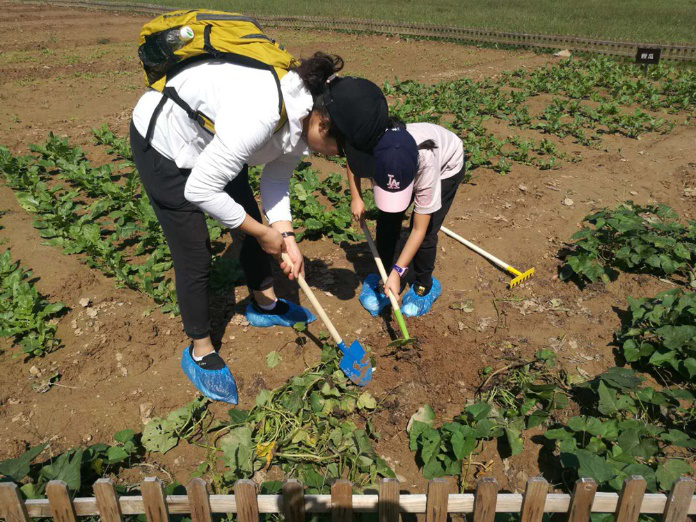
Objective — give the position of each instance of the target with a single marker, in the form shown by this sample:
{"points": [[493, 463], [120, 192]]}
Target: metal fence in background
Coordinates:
{"points": [[677, 53]]}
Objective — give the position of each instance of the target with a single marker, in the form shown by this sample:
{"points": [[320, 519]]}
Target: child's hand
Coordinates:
{"points": [[394, 284], [357, 208]]}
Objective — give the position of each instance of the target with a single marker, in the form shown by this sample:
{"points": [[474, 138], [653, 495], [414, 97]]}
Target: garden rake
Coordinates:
{"points": [[355, 363], [519, 276], [395, 305]]}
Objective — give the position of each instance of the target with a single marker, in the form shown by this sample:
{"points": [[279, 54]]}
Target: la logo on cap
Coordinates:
{"points": [[392, 184]]}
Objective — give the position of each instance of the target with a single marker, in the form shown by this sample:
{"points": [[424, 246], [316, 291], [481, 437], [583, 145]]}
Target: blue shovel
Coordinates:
{"points": [[355, 363]]}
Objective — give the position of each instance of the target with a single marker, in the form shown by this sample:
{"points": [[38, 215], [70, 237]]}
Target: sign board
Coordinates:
{"points": [[648, 55]]}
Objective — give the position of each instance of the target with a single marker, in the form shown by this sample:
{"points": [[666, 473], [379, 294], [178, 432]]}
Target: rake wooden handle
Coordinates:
{"points": [[315, 302], [478, 250], [383, 275]]}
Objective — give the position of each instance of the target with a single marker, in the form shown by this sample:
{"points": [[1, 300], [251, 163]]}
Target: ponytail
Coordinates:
{"points": [[427, 145], [317, 69]]}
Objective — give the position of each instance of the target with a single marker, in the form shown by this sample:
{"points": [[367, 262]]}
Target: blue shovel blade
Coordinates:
{"points": [[355, 363]]}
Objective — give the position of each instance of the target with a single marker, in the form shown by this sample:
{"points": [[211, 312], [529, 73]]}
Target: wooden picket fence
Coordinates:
{"points": [[293, 504]]}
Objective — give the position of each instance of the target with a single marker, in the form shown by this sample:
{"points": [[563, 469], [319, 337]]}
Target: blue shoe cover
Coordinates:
{"points": [[414, 305], [218, 385], [370, 297], [296, 314]]}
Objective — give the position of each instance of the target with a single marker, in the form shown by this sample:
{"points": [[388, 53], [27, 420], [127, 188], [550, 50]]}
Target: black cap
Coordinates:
{"points": [[359, 110]]}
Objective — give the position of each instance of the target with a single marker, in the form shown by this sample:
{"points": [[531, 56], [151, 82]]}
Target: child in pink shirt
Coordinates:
{"points": [[419, 163]]}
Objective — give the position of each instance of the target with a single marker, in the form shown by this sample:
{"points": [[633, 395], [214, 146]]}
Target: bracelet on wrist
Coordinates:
{"points": [[287, 234], [399, 270]]}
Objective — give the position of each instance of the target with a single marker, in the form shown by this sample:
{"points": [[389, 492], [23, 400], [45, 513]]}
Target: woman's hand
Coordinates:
{"points": [[393, 285], [357, 208], [357, 205], [271, 241], [295, 255]]}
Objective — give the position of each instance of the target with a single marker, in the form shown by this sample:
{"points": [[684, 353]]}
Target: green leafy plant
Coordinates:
{"points": [[117, 145], [24, 314], [273, 359], [626, 429], [524, 395], [225, 273], [633, 238], [307, 191], [660, 333], [185, 423], [442, 451], [77, 467], [512, 399]]}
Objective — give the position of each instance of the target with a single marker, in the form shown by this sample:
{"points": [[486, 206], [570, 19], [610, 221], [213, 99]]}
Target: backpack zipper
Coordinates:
{"points": [[260, 35], [203, 17]]}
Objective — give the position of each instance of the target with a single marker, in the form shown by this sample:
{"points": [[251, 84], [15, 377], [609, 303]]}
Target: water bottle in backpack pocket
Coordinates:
{"points": [[157, 53]]}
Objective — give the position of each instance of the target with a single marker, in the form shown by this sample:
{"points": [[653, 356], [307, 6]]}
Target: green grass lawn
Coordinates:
{"points": [[646, 21]]}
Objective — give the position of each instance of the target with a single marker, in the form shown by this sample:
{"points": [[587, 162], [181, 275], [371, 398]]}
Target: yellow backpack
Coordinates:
{"points": [[231, 37]]}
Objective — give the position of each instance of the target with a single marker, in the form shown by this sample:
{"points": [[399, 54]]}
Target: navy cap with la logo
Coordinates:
{"points": [[395, 168]]}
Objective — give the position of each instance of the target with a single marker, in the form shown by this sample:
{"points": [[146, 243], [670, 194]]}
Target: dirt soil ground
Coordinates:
{"points": [[69, 70]]}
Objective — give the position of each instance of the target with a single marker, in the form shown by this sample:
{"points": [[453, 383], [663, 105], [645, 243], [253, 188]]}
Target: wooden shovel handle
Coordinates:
{"points": [[315, 303], [383, 275], [380, 265]]}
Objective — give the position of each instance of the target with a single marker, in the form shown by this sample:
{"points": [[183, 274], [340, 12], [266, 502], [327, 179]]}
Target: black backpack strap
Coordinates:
{"points": [[169, 93], [153, 122], [196, 116]]}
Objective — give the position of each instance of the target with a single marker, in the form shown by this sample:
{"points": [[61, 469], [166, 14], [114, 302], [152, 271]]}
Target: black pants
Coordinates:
{"points": [[184, 227], [389, 230]]}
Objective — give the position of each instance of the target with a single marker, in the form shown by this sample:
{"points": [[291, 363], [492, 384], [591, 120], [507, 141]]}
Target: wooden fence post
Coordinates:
{"points": [[107, 501], [581, 501], [534, 500], [485, 499], [679, 500], [630, 499], [438, 499], [12, 508], [59, 500], [247, 503], [388, 500], [580, 508], [153, 500], [342, 501], [293, 501], [199, 502]]}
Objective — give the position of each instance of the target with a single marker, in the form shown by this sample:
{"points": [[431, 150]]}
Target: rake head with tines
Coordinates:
{"points": [[520, 276]]}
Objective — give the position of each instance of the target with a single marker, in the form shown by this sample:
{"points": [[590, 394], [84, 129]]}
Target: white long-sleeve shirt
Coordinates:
{"points": [[243, 103]]}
